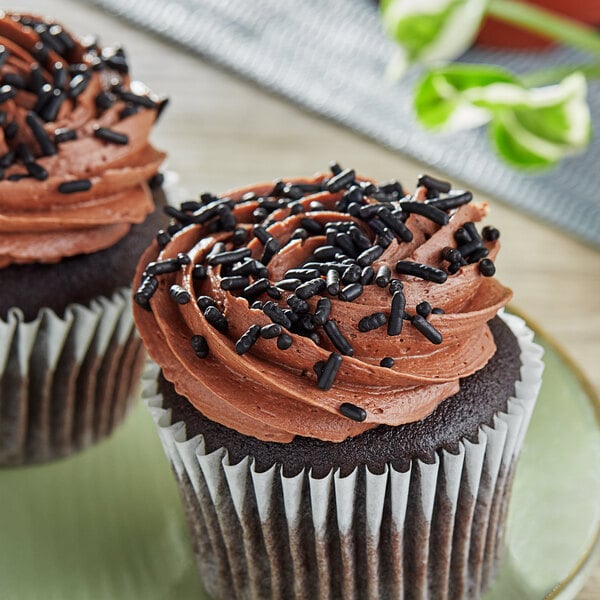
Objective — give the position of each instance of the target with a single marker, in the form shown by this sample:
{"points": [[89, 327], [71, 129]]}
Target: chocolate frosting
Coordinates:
{"points": [[272, 394], [41, 64]]}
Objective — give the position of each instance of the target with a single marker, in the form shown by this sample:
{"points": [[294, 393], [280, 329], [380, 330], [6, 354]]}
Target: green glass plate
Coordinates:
{"points": [[108, 524]]}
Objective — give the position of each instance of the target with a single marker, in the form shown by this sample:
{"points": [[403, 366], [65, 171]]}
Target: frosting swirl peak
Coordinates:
{"points": [[322, 306], [74, 152]]}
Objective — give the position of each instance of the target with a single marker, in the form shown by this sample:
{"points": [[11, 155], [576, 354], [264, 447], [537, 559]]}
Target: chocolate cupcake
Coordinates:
{"points": [[80, 199], [338, 390]]}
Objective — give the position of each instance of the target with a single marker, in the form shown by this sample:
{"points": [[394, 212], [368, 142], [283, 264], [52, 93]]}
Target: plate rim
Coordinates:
{"points": [[594, 398]]}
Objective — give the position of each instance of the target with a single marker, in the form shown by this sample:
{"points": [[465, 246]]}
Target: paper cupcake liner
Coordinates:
{"points": [[66, 382], [433, 531]]}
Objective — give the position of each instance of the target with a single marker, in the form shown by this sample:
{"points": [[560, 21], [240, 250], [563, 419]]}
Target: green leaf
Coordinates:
{"points": [[428, 32], [416, 32], [512, 151], [530, 128], [439, 99]]}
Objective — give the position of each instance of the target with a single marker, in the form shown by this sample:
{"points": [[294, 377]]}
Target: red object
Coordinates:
{"points": [[497, 34]]}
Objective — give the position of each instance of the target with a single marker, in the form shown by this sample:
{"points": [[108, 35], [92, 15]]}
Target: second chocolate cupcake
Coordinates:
{"points": [[76, 210]]}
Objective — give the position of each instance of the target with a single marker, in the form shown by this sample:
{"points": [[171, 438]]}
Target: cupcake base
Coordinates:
{"points": [[65, 383], [70, 358], [427, 528]]}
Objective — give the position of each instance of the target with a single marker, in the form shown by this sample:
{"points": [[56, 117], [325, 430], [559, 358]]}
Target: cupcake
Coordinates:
{"points": [[337, 387], [76, 212]]}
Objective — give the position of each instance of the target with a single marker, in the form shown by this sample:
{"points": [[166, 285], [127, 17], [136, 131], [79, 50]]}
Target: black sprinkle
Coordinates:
{"points": [[351, 292], [337, 338], [424, 309], [288, 284], [37, 171], [169, 265], [77, 185], [10, 131], [302, 274], [25, 154], [228, 258], [204, 302], [387, 362], [490, 234], [276, 314], [144, 101], [237, 282], [322, 311], [199, 272], [451, 254], [200, 346], [335, 168], [432, 184], [383, 276], [395, 285], [128, 111], [7, 92], [298, 305], [274, 293], [356, 413], [310, 288], [478, 254], [426, 210], [367, 275], [452, 201], [252, 291], [43, 139], [340, 180], [178, 294], [51, 107], [146, 290], [437, 311], [271, 248], [396, 313], [371, 322], [6, 160], [64, 135], [78, 84], [155, 182], [248, 339], [326, 253], [214, 316], [369, 256], [329, 372], [284, 341], [351, 274], [466, 250], [461, 236], [270, 331], [313, 227], [59, 75], [299, 234], [487, 267], [427, 329], [163, 238], [426, 272], [108, 135]]}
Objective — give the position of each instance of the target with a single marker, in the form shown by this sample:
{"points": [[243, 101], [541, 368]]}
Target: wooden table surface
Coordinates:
{"points": [[221, 132]]}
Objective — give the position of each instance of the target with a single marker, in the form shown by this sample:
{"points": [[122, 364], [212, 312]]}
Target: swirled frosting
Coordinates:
{"points": [[320, 386], [74, 152]]}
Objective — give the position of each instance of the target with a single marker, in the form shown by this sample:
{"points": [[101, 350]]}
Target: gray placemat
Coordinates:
{"points": [[330, 55]]}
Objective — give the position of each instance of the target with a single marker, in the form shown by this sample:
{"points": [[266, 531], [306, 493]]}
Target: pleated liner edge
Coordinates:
{"points": [[434, 531]]}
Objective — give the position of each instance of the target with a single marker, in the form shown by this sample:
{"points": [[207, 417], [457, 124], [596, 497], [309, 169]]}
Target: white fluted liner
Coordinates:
{"points": [[66, 382], [432, 532]]}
